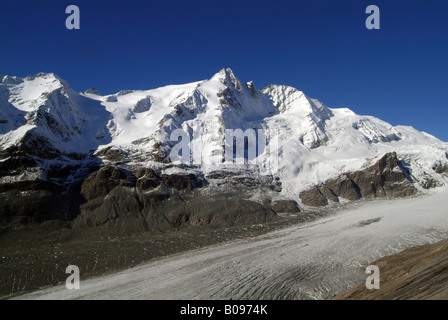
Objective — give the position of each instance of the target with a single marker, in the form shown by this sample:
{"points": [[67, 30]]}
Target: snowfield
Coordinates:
{"points": [[316, 260]]}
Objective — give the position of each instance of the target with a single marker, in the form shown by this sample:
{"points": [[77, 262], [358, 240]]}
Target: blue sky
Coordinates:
{"points": [[398, 73]]}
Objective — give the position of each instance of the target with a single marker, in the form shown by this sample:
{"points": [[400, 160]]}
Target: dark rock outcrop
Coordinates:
{"points": [[159, 202], [285, 206], [387, 178], [148, 179], [114, 195], [313, 197], [160, 210], [100, 183], [343, 186], [111, 154], [182, 182], [28, 202], [145, 200], [220, 212], [441, 168]]}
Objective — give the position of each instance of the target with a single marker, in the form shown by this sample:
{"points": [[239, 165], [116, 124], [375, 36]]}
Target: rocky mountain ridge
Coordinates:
{"points": [[105, 160]]}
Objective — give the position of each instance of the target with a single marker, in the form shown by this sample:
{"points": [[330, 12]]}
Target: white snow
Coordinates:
{"points": [[27, 93], [315, 142], [46, 105], [309, 261]]}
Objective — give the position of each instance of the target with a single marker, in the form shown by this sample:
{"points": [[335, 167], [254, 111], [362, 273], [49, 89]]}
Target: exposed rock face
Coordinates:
{"points": [[220, 212], [146, 200], [104, 160], [182, 182], [285, 206], [344, 187], [116, 198], [313, 197], [441, 168], [328, 193], [387, 178], [111, 154], [104, 181], [148, 179]]}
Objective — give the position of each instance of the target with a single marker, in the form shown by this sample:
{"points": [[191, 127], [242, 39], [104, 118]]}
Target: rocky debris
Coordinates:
{"points": [[387, 178], [39, 183], [220, 212], [126, 209], [419, 273], [32, 258]]}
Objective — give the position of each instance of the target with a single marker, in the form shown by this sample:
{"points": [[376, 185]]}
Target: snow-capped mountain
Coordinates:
{"points": [[45, 106], [50, 133]]}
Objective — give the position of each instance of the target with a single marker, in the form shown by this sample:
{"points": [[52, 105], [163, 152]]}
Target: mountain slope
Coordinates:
{"points": [[315, 142], [418, 273], [113, 152]]}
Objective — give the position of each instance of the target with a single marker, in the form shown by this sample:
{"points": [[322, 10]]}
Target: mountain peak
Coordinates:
{"points": [[228, 78], [52, 77], [46, 81], [11, 79], [223, 73]]}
